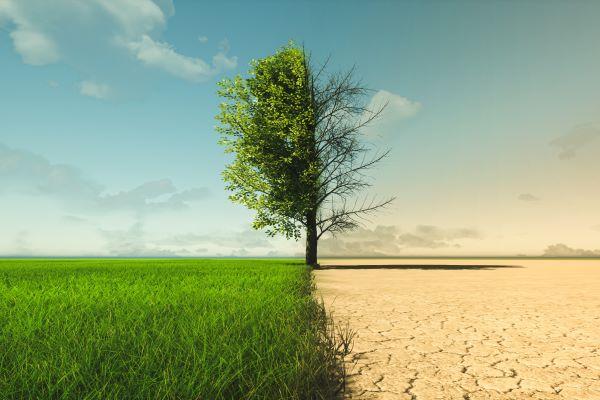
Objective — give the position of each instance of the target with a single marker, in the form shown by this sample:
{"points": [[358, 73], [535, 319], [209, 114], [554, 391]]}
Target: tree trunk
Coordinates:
{"points": [[311, 239]]}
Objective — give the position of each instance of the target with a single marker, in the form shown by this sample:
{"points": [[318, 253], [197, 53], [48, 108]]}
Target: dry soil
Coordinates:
{"points": [[468, 329]]}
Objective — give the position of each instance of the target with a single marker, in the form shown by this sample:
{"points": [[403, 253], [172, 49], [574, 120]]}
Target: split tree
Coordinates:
{"points": [[299, 156]]}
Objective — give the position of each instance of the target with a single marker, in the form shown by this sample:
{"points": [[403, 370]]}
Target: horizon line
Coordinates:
{"points": [[175, 257]]}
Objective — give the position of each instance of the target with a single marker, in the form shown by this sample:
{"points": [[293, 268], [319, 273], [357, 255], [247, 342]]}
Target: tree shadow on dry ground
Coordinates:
{"points": [[425, 267]]}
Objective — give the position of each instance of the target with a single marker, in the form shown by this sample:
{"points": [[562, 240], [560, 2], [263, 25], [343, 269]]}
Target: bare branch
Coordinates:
{"points": [[344, 218]]}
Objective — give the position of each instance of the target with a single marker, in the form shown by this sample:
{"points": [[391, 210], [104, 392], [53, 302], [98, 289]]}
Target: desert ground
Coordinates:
{"points": [[468, 329]]}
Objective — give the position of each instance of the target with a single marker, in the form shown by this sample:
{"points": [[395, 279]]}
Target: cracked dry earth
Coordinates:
{"points": [[471, 332]]}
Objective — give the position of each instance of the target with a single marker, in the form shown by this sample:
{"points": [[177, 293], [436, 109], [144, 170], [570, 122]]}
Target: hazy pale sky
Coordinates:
{"points": [[107, 141]]}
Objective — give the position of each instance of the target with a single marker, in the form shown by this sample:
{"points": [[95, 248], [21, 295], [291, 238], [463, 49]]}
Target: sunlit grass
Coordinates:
{"points": [[159, 329]]}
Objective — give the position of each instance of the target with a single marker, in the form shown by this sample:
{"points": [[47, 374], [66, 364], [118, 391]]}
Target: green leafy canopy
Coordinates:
{"points": [[267, 121]]}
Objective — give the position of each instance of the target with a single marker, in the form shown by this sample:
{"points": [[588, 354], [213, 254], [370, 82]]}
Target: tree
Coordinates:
{"points": [[300, 160]]}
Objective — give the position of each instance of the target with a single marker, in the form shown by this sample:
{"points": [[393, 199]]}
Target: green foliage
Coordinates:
{"points": [[160, 329], [267, 121]]}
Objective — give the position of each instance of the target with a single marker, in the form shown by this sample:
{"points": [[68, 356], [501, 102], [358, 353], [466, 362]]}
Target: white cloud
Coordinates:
{"points": [[220, 60], [223, 243], [74, 219], [194, 194], [161, 55], [30, 174], [528, 197], [93, 89], [248, 238], [397, 106], [25, 172], [391, 241], [139, 196], [395, 109], [39, 29], [136, 17], [562, 250], [429, 236], [152, 196], [33, 44], [379, 241], [34, 47], [131, 242], [202, 39], [576, 139]]}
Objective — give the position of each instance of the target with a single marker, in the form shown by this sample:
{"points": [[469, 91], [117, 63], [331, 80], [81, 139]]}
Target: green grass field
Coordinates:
{"points": [[160, 329]]}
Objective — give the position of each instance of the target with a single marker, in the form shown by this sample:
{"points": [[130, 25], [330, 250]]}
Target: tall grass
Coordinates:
{"points": [[163, 329]]}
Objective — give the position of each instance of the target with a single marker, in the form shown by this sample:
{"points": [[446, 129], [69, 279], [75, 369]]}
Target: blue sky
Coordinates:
{"points": [[107, 142]]}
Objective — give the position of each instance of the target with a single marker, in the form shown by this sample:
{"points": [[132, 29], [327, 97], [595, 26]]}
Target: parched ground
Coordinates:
{"points": [[522, 329]]}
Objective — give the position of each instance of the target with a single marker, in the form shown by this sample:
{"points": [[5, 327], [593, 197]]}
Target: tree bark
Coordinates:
{"points": [[311, 239]]}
